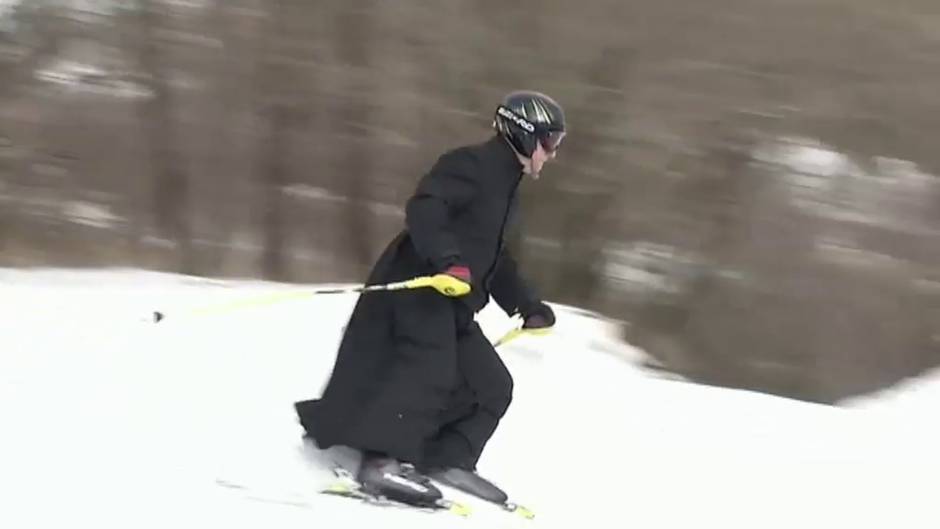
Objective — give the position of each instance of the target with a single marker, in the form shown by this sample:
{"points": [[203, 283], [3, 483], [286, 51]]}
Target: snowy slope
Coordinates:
{"points": [[116, 422]]}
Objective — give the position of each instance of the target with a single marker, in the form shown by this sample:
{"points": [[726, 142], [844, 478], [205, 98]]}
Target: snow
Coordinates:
{"points": [[113, 421]]}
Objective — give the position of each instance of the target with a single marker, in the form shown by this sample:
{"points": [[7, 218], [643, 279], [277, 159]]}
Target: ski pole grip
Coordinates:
{"points": [[447, 285]]}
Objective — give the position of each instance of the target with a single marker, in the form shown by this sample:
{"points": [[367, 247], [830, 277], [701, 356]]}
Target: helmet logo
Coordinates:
{"points": [[526, 125]]}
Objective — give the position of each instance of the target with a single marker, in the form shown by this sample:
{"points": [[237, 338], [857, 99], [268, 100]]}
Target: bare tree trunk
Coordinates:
{"points": [[222, 113], [353, 30], [16, 77], [46, 24], [170, 181], [581, 232], [271, 169], [272, 176]]}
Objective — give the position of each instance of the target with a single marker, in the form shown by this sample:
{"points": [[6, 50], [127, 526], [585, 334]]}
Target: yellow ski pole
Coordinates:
{"points": [[445, 284]]}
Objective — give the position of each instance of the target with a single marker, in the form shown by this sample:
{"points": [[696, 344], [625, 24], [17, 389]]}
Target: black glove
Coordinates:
{"points": [[538, 316]]}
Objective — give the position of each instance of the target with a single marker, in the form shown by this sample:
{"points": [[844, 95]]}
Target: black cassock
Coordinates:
{"points": [[415, 377]]}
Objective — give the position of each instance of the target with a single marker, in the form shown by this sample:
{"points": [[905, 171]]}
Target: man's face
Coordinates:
{"points": [[539, 157]]}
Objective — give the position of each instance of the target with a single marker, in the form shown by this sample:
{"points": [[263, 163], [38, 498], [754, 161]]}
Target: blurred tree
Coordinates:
{"points": [[354, 112], [749, 186], [169, 177], [275, 115]]}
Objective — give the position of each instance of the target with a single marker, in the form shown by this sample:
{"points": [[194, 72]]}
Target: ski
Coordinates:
{"points": [[521, 510], [508, 506], [477, 487], [346, 486]]}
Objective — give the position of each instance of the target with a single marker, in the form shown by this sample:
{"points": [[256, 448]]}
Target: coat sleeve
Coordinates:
{"points": [[447, 187], [508, 288]]}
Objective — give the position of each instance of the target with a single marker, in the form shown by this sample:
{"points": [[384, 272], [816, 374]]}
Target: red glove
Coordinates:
{"points": [[460, 272]]}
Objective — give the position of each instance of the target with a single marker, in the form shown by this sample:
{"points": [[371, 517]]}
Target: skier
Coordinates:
{"points": [[416, 386]]}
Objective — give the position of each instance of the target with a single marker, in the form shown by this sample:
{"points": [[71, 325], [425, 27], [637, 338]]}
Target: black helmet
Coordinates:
{"points": [[527, 117]]}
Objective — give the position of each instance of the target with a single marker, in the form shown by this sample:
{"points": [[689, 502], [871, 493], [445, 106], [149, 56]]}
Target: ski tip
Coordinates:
{"points": [[525, 512], [338, 488], [459, 509]]}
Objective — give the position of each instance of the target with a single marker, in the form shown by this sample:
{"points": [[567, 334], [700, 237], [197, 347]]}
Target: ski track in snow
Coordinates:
{"points": [[112, 421]]}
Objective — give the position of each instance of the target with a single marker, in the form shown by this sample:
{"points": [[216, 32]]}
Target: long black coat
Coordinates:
{"points": [[414, 376]]}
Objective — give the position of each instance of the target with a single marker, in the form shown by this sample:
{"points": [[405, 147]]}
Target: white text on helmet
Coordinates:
{"points": [[516, 118]]}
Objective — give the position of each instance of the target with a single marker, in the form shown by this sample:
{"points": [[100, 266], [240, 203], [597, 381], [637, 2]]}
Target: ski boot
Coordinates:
{"points": [[386, 477], [470, 482]]}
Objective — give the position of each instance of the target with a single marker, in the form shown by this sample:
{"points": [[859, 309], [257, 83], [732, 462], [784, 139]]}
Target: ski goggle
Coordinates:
{"points": [[552, 140]]}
